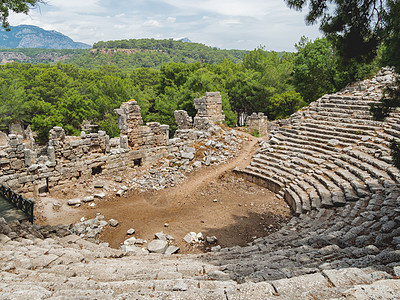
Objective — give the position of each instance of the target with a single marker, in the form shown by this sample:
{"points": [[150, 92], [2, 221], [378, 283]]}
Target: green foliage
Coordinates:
{"points": [[255, 132], [355, 27], [285, 104], [17, 6], [151, 53], [318, 69], [262, 75]]}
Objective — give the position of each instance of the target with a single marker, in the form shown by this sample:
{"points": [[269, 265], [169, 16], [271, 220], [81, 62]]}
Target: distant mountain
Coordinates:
{"points": [[28, 36], [185, 40]]}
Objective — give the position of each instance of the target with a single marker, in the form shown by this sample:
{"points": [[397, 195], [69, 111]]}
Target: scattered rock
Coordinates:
{"points": [[211, 239], [191, 238], [157, 246], [161, 236], [130, 231], [113, 223], [57, 206], [171, 250], [88, 199], [130, 241], [75, 201], [99, 195], [216, 248]]}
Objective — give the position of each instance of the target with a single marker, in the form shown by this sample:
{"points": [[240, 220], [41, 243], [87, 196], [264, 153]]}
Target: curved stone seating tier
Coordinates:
{"points": [[333, 165], [331, 152]]}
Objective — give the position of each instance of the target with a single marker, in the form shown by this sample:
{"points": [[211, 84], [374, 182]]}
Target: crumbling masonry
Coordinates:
{"points": [[25, 168]]}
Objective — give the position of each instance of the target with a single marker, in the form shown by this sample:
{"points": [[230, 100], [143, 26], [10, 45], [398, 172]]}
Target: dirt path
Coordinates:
{"points": [[208, 174]]}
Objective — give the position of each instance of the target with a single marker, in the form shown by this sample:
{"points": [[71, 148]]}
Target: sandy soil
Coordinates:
{"points": [[212, 200]]}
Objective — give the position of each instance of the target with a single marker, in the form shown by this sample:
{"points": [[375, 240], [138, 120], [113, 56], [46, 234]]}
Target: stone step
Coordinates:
{"points": [[349, 193], [347, 127], [337, 194], [340, 113], [333, 132], [307, 142], [345, 119], [307, 137]]}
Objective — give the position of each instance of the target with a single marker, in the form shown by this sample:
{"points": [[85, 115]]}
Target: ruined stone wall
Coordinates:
{"points": [[130, 124], [66, 159], [257, 122], [183, 120], [209, 111]]}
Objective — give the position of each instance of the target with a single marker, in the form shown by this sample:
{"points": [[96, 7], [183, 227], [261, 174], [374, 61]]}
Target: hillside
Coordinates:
{"points": [[135, 53], [28, 36], [123, 54]]}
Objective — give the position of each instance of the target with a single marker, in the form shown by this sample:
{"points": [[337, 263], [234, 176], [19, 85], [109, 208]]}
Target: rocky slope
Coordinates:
{"points": [[27, 36]]}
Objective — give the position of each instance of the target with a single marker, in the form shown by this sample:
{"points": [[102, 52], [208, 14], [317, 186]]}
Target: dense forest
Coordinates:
{"points": [[277, 84], [148, 53]]}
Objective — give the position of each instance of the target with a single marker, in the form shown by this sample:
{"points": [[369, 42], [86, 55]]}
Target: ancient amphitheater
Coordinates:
{"points": [[330, 161]]}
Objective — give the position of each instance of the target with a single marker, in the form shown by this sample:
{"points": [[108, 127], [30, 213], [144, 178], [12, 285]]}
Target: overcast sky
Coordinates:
{"points": [[226, 24]]}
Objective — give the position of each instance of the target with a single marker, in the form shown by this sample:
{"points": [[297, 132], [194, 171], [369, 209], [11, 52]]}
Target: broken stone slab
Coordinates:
{"points": [[113, 222], [120, 193], [197, 164], [134, 250], [191, 238], [75, 201], [200, 236], [88, 199], [187, 155], [99, 195], [140, 241], [130, 231], [130, 241], [161, 236], [211, 239], [157, 246], [171, 250]]}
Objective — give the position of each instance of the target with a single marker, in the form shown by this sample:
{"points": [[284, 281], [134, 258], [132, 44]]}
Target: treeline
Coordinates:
{"points": [[154, 53], [65, 95]]}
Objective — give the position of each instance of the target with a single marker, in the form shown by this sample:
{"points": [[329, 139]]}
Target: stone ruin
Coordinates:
{"points": [[26, 168], [130, 124], [183, 120], [209, 112], [330, 161], [258, 123]]}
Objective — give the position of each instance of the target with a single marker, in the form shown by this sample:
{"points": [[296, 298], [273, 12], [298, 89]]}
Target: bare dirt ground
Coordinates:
{"points": [[212, 200]]}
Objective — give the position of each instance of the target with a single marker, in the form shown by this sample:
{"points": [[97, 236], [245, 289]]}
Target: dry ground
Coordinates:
{"points": [[212, 200]]}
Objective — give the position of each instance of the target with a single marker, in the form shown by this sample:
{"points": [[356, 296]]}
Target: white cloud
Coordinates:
{"points": [[152, 23], [171, 20]]}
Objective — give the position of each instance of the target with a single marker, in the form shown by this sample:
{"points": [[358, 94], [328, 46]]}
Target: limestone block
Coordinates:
{"points": [[4, 139], [158, 246], [51, 153], [124, 142]]}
